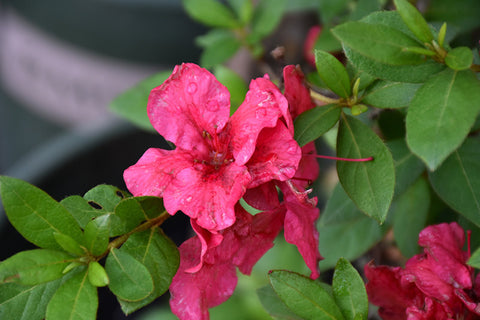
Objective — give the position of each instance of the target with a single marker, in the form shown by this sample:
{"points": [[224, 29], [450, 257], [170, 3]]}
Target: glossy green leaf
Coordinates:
{"points": [[235, 84], [105, 197], [414, 20], [69, 244], [387, 94], [344, 231], [274, 305], [408, 167], [81, 209], [266, 17], [369, 184], [33, 267], [381, 43], [132, 103], [457, 180], [313, 123], [304, 296], [130, 280], [349, 291], [460, 58], [218, 47], [333, 73], [441, 114], [35, 214], [211, 13], [97, 234], [159, 255], [76, 299], [97, 275], [409, 213], [21, 302]]}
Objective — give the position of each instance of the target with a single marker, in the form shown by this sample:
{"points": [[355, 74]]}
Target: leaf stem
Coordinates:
{"points": [[117, 242]]}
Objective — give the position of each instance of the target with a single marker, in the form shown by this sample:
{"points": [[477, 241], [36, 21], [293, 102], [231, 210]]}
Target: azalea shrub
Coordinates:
{"points": [[387, 92]]}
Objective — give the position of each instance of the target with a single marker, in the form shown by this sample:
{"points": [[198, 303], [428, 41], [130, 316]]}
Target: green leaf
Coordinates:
{"points": [[105, 196], [441, 114], [442, 34], [381, 43], [344, 231], [474, 260], [369, 184], [333, 73], [130, 280], [82, 210], [211, 13], [235, 84], [274, 305], [76, 299], [68, 244], [464, 16], [386, 94], [409, 213], [406, 73], [364, 7], [266, 17], [97, 235], [35, 214], [457, 180], [21, 302], [34, 266], [313, 123], [407, 166], [414, 20], [358, 109], [97, 275], [219, 47], [327, 42], [132, 103], [349, 291], [331, 9], [304, 296], [460, 58], [243, 9], [159, 255]]}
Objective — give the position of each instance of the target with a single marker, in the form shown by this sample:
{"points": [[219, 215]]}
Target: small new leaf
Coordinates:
{"points": [[460, 58], [97, 275], [333, 73]]}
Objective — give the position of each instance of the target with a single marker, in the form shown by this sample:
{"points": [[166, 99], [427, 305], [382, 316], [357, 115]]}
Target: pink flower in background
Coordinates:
{"points": [[216, 157], [437, 284], [309, 44]]}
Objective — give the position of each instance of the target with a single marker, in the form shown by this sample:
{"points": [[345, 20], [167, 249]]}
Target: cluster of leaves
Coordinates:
{"points": [[59, 280]]}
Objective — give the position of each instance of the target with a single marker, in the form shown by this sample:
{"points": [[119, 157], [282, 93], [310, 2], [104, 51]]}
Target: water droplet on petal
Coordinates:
{"points": [[192, 88], [260, 112], [212, 105], [292, 147]]}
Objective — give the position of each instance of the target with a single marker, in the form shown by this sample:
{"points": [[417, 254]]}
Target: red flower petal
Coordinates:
{"points": [[208, 196], [276, 156], [296, 92], [263, 106], [155, 170], [264, 197], [188, 103]]}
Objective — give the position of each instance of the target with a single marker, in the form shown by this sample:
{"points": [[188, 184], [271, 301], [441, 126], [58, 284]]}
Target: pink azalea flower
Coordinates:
{"points": [[309, 44], [244, 243], [216, 157], [437, 284]]}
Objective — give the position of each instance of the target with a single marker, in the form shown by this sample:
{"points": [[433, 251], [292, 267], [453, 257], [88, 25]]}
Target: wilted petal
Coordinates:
{"points": [[208, 240], [263, 197], [443, 245], [188, 103], [155, 170], [300, 227], [263, 106], [255, 236], [276, 156], [296, 92], [192, 294], [386, 290], [208, 196]]}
